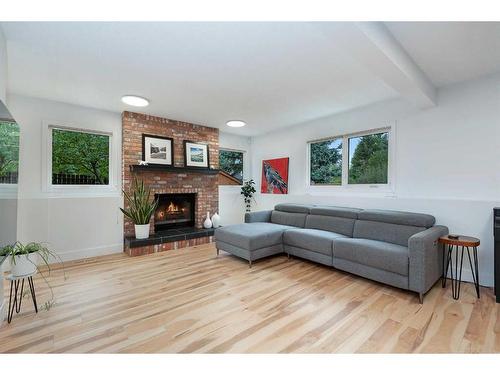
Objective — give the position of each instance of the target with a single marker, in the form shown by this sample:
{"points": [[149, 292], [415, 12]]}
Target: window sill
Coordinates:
{"points": [[8, 191], [85, 191], [359, 191]]}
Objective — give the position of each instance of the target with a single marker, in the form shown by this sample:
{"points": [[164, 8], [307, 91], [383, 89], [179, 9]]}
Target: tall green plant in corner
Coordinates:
{"points": [[140, 207], [248, 190]]}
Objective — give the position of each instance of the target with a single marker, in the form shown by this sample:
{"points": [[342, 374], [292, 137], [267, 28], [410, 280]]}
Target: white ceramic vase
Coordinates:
{"points": [[141, 231], [207, 223], [216, 220], [24, 264]]}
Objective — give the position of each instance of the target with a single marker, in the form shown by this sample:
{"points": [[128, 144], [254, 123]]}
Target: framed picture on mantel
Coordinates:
{"points": [[196, 155], [157, 150]]}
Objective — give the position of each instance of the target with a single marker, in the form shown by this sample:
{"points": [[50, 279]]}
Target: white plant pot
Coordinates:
{"points": [[216, 220], [141, 231], [24, 264]]}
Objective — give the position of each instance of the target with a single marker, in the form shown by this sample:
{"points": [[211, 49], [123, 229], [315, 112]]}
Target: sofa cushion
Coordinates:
{"points": [[398, 217], [346, 212], [293, 208], [393, 233], [288, 218], [331, 223], [377, 254], [251, 236], [319, 241]]}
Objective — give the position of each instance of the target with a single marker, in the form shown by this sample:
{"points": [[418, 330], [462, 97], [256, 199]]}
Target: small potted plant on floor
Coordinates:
{"points": [[140, 208]]}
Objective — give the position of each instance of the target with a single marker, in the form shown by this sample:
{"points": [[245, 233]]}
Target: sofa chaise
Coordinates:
{"points": [[393, 247]]}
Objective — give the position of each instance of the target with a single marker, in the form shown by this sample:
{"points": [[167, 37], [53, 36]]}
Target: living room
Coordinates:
{"points": [[250, 187]]}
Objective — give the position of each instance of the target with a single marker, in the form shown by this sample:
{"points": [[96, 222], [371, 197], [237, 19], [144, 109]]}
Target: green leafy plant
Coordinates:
{"points": [[45, 254], [140, 206], [248, 190]]}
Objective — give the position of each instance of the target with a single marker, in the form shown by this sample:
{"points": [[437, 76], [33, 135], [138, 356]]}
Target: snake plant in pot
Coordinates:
{"points": [[140, 207]]}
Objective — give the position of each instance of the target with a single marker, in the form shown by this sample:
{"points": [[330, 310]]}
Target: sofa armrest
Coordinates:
{"points": [[426, 258], [259, 216]]}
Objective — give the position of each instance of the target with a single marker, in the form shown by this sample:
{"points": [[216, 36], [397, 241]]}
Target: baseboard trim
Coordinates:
{"points": [[91, 252]]}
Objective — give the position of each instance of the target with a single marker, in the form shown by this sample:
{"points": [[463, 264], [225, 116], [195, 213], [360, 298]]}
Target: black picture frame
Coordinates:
{"points": [[186, 156], [144, 136]]}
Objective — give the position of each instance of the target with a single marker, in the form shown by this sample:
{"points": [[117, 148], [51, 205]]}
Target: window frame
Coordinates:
{"points": [[86, 190], [243, 169], [390, 129]]}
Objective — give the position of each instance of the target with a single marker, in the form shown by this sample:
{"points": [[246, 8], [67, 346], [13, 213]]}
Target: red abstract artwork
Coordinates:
{"points": [[274, 176]]}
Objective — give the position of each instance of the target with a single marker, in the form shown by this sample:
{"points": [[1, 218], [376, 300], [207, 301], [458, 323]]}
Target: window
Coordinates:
{"points": [[352, 159], [80, 158], [368, 159], [326, 162], [231, 164], [9, 152]]}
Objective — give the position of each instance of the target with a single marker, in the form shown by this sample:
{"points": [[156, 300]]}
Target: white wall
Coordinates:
{"points": [[3, 66], [5, 204], [447, 160], [231, 206], [77, 224]]}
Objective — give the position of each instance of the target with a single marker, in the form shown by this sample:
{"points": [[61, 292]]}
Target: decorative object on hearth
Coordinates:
{"points": [[157, 150], [248, 190], [24, 259], [196, 155], [207, 224], [274, 176], [140, 208], [142, 162], [216, 220]]}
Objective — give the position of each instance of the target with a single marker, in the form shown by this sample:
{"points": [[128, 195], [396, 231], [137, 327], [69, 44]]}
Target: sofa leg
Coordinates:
{"points": [[288, 255], [217, 251], [421, 298], [249, 264]]}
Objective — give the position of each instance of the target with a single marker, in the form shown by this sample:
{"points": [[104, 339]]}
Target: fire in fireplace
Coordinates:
{"points": [[174, 211]]}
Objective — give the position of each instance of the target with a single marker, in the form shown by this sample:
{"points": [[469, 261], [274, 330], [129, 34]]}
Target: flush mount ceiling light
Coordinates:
{"points": [[236, 123], [134, 100]]}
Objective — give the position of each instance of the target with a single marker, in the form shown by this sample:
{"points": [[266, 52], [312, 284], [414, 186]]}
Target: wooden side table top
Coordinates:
{"points": [[460, 241]]}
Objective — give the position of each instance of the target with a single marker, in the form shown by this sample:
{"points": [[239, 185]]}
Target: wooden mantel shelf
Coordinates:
{"points": [[169, 168]]}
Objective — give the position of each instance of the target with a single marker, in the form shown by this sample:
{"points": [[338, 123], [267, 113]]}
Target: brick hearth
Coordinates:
{"points": [[204, 185]]}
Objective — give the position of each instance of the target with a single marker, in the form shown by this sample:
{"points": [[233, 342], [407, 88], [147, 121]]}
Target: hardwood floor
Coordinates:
{"points": [[188, 300]]}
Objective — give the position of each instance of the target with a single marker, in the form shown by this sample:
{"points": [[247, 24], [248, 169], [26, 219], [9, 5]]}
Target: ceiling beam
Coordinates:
{"points": [[374, 47]]}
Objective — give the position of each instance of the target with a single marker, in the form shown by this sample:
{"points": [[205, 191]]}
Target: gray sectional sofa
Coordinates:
{"points": [[393, 247]]}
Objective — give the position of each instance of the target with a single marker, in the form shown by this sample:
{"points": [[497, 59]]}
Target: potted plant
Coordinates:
{"points": [[248, 190], [140, 208], [24, 259]]}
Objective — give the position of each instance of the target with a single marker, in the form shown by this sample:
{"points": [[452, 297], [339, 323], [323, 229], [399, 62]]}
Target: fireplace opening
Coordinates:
{"points": [[174, 211]]}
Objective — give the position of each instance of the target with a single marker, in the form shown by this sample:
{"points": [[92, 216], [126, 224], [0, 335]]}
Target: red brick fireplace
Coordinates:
{"points": [[203, 184]]}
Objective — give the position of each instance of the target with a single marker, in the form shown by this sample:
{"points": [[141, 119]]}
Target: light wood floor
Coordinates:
{"points": [[188, 300]]}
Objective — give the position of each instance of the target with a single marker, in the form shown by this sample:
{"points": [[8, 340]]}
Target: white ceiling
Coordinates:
{"points": [[450, 52], [269, 74]]}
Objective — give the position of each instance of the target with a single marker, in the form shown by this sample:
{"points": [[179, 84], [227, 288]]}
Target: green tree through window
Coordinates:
{"points": [[326, 162], [79, 158], [231, 162], [9, 151], [368, 159]]}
